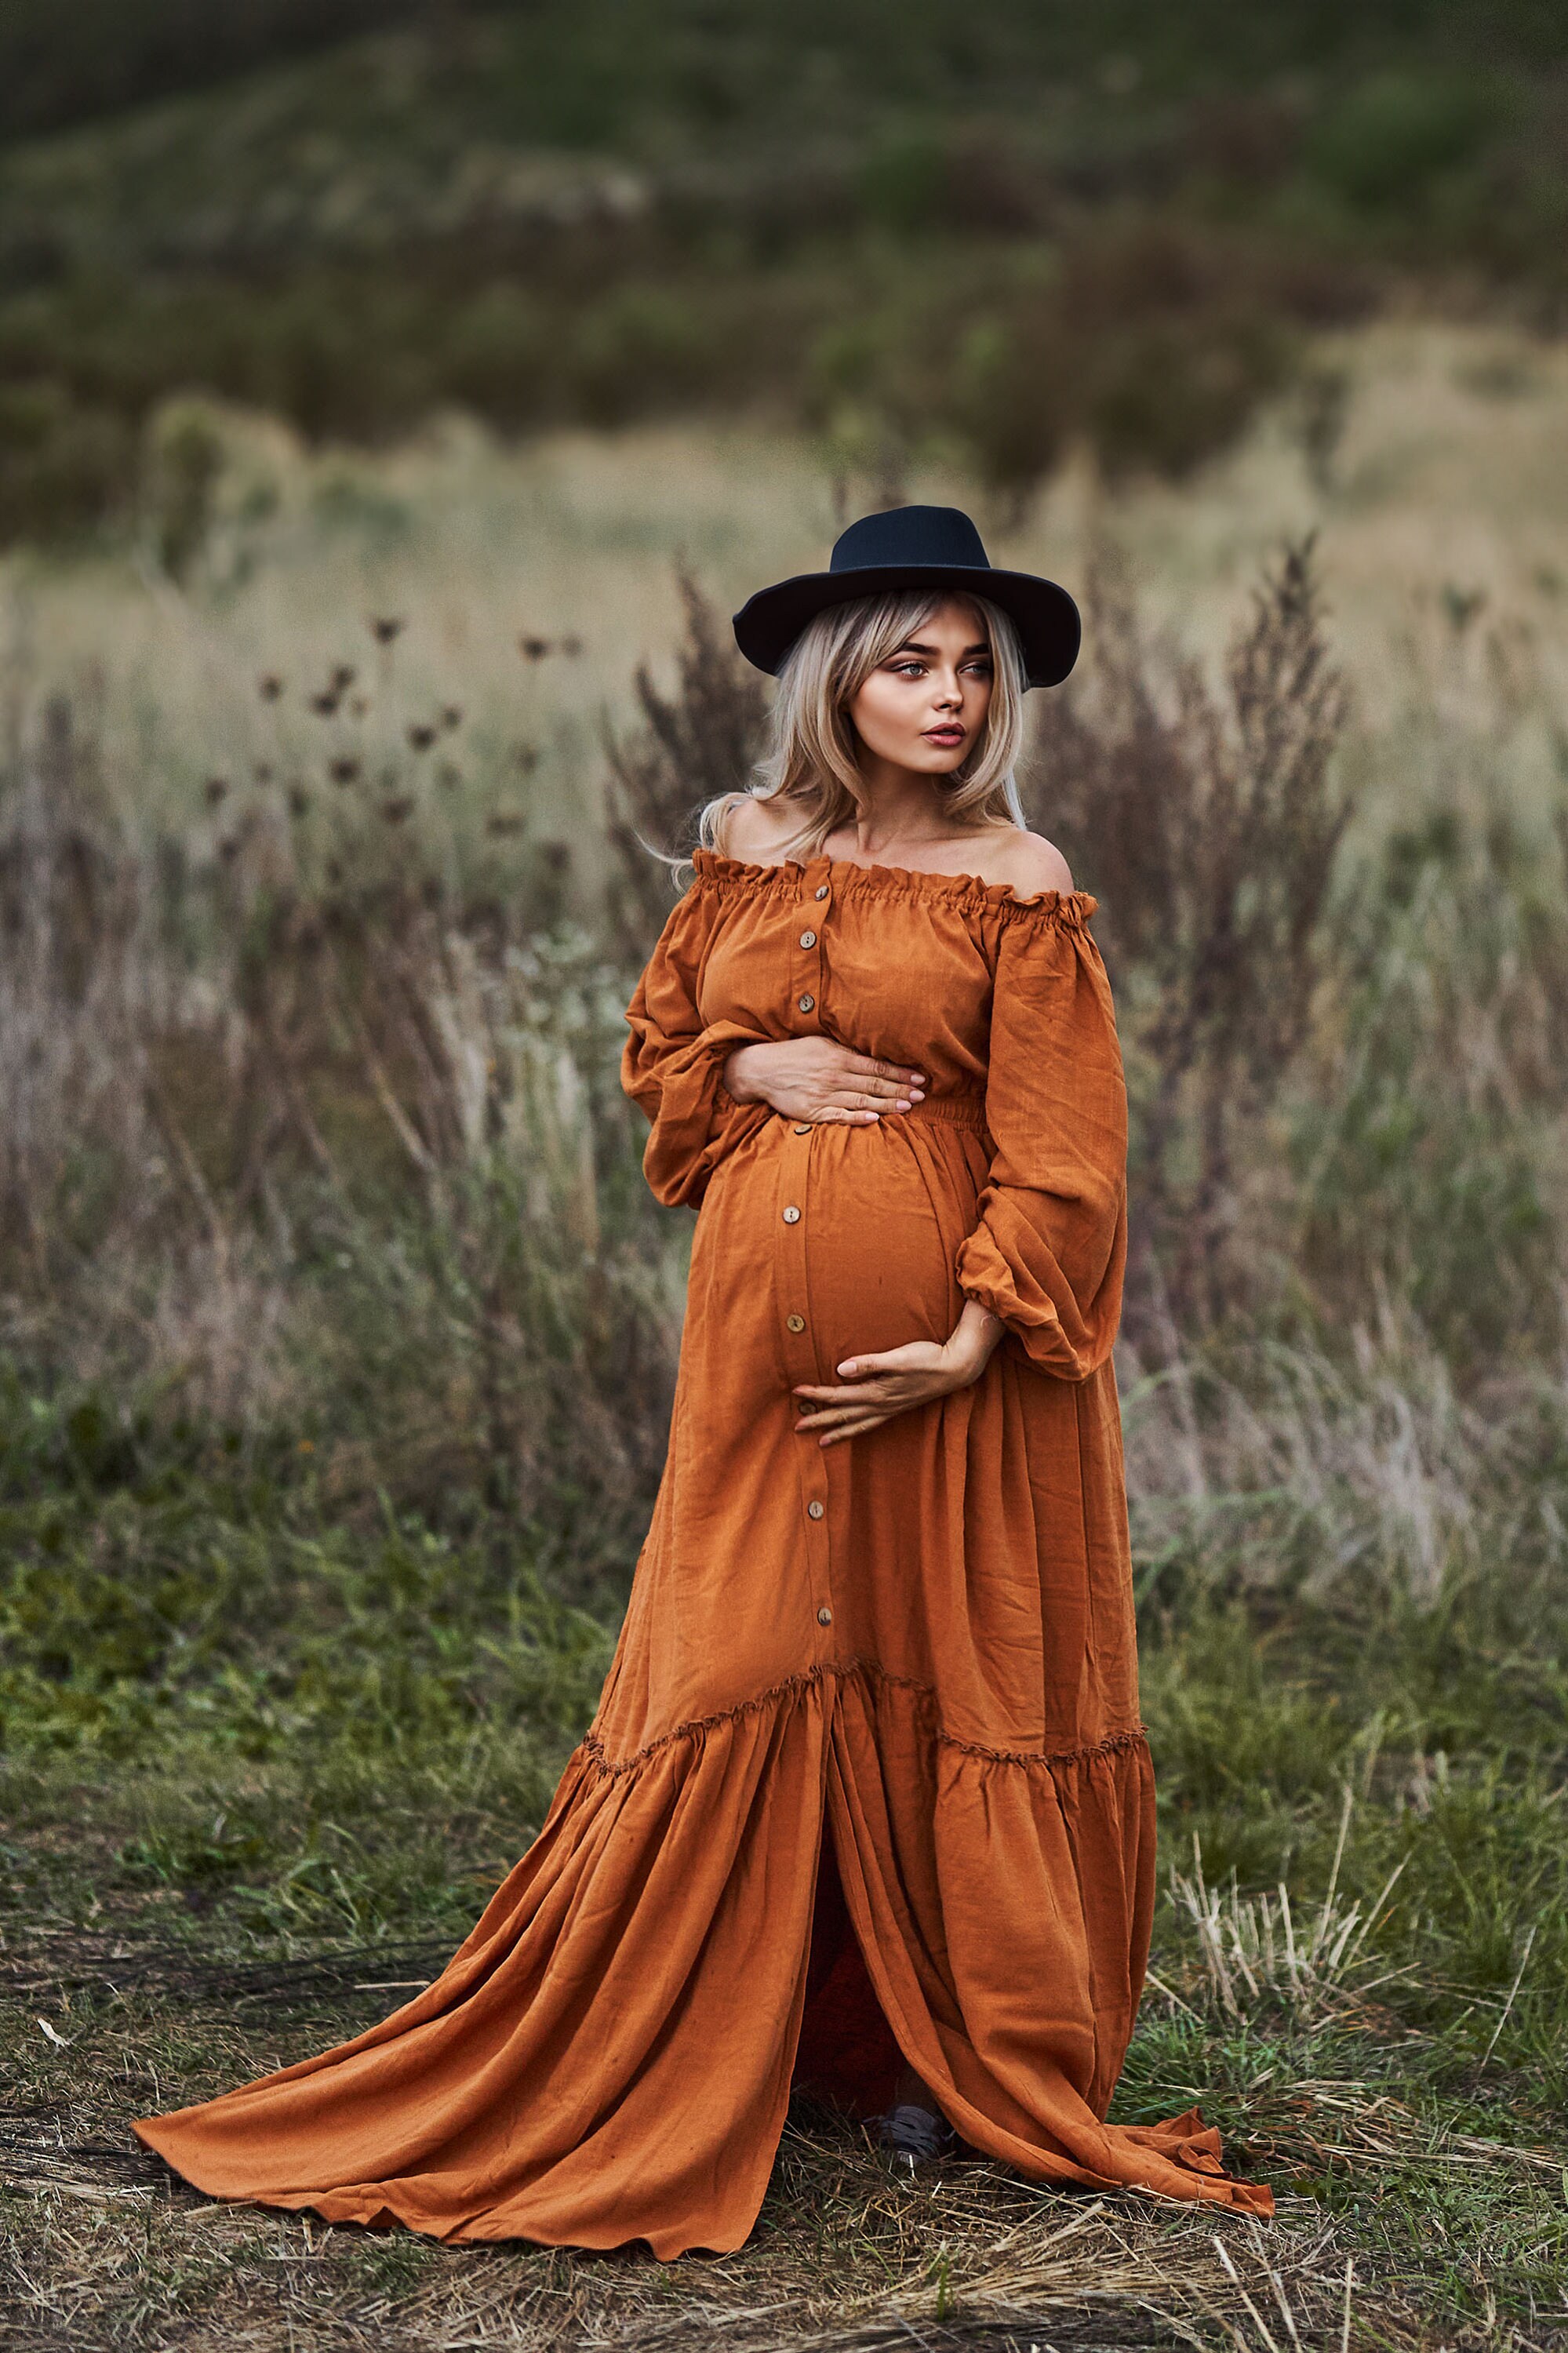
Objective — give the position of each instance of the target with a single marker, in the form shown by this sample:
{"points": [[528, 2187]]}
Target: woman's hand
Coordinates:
{"points": [[817, 1080], [897, 1378]]}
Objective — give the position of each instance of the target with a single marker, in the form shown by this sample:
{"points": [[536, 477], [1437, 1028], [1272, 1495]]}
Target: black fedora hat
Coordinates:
{"points": [[914, 547]]}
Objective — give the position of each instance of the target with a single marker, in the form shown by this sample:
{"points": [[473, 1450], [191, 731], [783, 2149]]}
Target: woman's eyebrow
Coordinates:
{"points": [[931, 652]]}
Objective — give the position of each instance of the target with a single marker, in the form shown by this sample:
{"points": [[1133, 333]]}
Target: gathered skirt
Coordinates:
{"points": [[866, 1786]]}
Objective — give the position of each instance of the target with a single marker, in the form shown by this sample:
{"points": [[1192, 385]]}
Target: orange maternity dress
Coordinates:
{"points": [[866, 1778]]}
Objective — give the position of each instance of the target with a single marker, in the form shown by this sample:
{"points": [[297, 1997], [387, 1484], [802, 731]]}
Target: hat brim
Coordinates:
{"points": [[1047, 621]]}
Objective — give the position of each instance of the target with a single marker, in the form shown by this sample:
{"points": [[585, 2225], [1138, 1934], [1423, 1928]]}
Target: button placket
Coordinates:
{"points": [[806, 951], [798, 1352]]}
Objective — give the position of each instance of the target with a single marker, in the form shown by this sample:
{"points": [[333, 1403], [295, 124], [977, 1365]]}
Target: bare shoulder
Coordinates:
{"points": [[1026, 862], [753, 831]]}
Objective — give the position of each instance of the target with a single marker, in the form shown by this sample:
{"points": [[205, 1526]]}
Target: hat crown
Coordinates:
{"points": [[919, 548], [909, 535]]}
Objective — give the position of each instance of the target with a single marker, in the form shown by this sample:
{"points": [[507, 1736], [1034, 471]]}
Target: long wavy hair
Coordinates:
{"points": [[811, 757]]}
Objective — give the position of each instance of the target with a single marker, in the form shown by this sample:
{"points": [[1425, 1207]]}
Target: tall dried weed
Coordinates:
{"points": [[361, 1164], [698, 741], [1207, 825], [346, 1151]]}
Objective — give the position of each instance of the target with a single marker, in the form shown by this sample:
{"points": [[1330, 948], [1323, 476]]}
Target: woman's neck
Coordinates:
{"points": [[897, 809]]}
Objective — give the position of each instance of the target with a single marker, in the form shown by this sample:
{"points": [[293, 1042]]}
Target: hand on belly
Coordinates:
{"points": [[817, 1078], [894, 1380]]}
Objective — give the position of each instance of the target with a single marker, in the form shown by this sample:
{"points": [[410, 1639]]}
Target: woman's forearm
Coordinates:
{"points": [[975, 1337]]}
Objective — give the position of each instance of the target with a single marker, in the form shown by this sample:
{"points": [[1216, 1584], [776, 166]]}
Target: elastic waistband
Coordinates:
{"points": [[965, 1110]]}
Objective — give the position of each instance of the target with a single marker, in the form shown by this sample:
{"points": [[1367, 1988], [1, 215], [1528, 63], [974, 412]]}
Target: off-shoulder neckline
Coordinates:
{"points": [[915, 879]]}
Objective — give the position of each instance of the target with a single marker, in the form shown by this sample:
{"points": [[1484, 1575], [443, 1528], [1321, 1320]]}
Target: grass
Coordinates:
{"points": [[336, 1331], [1440, 498], [245, 1885]]}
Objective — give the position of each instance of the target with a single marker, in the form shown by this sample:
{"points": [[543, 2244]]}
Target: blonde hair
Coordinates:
{"points": [[810, 760]]}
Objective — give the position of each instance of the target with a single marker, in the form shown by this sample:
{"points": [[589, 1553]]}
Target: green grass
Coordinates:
{"points": [[263, 1768]]}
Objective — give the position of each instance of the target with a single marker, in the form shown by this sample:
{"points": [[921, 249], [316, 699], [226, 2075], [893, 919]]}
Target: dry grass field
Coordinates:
{"points": [[336, 1330], [1427, 459]]}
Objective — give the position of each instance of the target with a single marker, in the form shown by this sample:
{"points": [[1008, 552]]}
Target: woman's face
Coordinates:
{"points": [[924, 706]]}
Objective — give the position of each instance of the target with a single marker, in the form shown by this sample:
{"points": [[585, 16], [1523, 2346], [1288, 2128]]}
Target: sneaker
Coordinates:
{"points": [[912, 2137]]}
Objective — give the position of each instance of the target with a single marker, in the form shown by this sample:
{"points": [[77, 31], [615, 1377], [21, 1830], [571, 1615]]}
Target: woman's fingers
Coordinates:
{"points": [[909, 1361], [876, 1375], [832, 1414], [839, 1393], [819, 1409], [855, 1089], [828, 1417], [851, 1429], [860, 1106], [837, 1437], [817, 1417], [879, 1085], [833, 1410], [862, 1088]]}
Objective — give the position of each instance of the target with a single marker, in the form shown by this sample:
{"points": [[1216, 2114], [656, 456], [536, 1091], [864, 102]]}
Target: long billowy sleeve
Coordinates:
{"points": [[671, 1064], [1049, 1249]]}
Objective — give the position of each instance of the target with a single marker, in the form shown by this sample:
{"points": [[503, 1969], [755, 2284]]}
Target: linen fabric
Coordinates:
{"points": [[866, 1783]]}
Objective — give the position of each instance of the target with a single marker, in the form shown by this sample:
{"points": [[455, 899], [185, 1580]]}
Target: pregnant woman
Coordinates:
{"points": [[867, 1804]]}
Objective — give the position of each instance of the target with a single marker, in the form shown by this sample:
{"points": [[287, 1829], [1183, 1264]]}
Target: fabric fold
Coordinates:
{"points": [[657, 1937], [672, 1066], [919, 1647], [1048, 1252], [541, 2088]]}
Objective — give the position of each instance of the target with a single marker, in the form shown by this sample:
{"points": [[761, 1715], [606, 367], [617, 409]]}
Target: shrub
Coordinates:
{"points": [[65, 462], [1208, 827], [1153, 345], [184, 460], [1430, 1152], [1390, 136], [699, 741], [357, 1160]]}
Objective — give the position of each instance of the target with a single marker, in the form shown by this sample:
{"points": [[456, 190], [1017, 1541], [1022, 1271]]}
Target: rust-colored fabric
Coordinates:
{"points": [[918, 1644]]}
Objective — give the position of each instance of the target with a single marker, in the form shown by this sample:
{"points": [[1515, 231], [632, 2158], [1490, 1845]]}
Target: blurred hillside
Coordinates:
{"points": [[985, 233], [610, 67]]}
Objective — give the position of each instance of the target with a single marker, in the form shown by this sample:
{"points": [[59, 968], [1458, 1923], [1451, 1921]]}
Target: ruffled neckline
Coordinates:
{"points": [[913, 882]]}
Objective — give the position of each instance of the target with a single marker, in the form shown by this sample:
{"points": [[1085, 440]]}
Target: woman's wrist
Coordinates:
{"points": [[975, 1339], [732, 1075]]}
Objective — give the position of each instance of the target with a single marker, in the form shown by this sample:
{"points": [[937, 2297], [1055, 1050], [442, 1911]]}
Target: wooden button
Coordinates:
{"points": [[824, 1615], [796, 1323], [792, 1215], [806, 1003], [814, 1510], [808, 939]]}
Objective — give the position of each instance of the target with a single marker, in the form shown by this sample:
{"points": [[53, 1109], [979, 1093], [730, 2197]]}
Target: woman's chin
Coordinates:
{"points": [[935, 759]]}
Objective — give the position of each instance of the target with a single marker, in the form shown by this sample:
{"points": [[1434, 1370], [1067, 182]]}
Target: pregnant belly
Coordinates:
{"points": [[882, 1213]]}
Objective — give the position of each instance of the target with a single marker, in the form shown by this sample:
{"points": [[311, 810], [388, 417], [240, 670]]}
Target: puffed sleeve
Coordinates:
{"points": [[1049, 1249], [672, 1061]]}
